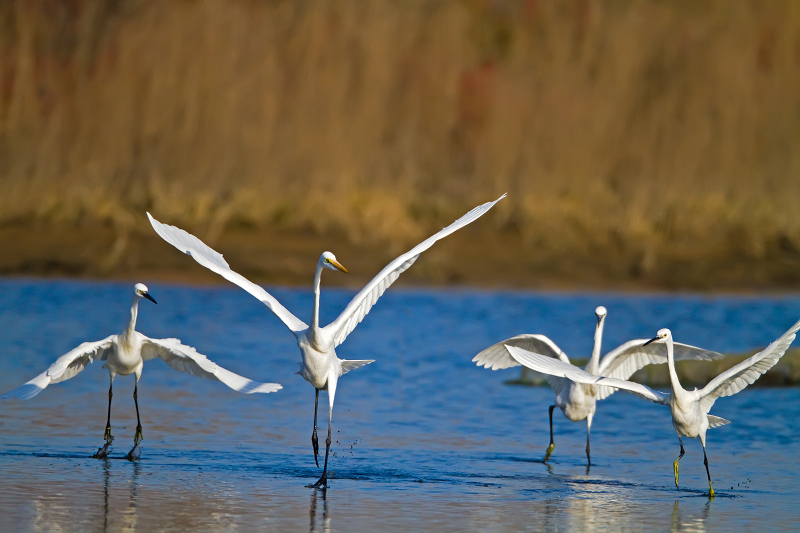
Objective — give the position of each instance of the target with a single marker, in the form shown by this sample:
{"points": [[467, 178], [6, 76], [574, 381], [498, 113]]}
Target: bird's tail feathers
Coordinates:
{"points": [[715, 421], [352, 364]]}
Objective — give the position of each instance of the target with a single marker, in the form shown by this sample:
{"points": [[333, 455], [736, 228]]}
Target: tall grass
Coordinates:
{"points": [[636, 133]]}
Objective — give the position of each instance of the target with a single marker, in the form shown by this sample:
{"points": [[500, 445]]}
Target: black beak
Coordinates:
{"points": [[651, 340], [147, 295]]}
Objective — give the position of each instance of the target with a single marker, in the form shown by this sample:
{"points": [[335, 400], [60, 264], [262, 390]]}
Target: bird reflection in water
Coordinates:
{"points": [[125, 520], [690, 522], [326, 522]]}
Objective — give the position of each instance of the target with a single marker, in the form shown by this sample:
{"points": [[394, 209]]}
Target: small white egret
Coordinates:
{"points": [[689, 409], [125, 354], [320, 366], [578, 401]]}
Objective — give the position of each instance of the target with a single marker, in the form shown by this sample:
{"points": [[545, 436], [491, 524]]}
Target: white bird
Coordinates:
{"points": [[320, 366], [578, 401], [125, 354], [689, 409]]}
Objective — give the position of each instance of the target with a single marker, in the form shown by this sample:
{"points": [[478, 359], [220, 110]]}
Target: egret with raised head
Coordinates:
{"points": [[125, 354], [320, 365], [689, 409], [578, 401]]}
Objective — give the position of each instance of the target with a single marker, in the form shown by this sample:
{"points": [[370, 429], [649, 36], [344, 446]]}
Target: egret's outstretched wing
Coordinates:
{"points": [[496, 357], [360, 305], [213, 260], [186, 359], [556, 367], [740, 376], [65, 367], [623, 361]]}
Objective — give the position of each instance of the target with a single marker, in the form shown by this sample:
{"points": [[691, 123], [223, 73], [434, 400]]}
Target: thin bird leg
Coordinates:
{"points": [[675, 464], [102, 453], [107, 435], [314, 440], [588, 430], [138, 437], [705, 461], [552, 444], [322, 482], [135, 451]]}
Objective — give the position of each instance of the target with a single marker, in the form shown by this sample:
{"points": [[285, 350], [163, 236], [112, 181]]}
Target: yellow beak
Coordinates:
{"points": [[338, 265]]}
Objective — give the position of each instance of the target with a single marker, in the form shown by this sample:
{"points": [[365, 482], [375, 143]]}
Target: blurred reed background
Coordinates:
{"points": [[649, 143]]}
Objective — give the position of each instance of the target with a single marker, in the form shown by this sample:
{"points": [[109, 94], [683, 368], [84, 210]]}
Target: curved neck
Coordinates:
{"points": [[594, 361], [315, 314], [673, 375], [132, 322]]}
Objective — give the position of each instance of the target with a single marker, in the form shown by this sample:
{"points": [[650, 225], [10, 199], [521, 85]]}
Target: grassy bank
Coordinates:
{"points": [[646, 144]]}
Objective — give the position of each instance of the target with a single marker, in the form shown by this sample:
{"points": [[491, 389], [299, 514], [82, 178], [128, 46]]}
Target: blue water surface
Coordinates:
{"points": [[423, 439]]}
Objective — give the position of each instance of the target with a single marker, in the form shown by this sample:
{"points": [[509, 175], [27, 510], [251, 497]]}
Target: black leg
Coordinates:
{"points": [[102, 453], [552, 444], [322, 482], [314, 440], [675, 464], [135, 452], [705, 461]]}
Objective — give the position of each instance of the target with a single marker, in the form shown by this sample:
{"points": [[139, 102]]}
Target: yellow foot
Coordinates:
{"points": [[138, 437], [711, 491], [549, 451], [675, 465], [107, 436]]}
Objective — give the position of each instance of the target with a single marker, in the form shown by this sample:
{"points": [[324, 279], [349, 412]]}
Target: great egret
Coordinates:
{"points": [[578, 401], [320, 366], [689, 409], [125, 354]]}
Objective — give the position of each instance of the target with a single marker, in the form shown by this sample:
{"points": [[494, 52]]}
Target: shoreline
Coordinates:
{"points": [[470, 258]]}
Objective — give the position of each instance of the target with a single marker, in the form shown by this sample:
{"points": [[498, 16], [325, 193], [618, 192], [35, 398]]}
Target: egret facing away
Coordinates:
{"points": [[578, 401], [125, 354], [320, 366], [689, 409]]}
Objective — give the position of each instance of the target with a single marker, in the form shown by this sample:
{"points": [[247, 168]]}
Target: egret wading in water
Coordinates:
{"points": [[125, 354], [689, 409], [320, 365], [578, 401]]}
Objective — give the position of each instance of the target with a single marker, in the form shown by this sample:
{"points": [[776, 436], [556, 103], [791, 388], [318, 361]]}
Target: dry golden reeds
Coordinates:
{"points": [[636, 134]]}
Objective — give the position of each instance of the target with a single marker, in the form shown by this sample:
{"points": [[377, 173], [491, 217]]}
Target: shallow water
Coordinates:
{"points": [[423, 439]]}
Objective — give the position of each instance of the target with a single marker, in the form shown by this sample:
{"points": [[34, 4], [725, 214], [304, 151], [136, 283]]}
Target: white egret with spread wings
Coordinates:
{"points": [[578, 401], [689, 409], [320, 365], [125, 354]]}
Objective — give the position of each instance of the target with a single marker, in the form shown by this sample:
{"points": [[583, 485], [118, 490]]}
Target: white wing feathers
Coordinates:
{"points": [[352, 364], [186, 359], [213, 260], [361, 304], [496, 357], [740, 376], [556, 367], [65, 367], [623, 361]]}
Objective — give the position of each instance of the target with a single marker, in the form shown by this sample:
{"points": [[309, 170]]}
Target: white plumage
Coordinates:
{"points": [[577, 398], [125, 354], [689, 409], [320, 365]]}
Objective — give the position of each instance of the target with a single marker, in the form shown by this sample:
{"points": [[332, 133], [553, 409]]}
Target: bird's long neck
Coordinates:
{"points": [[126, 333], [673, 375], [594, 361], [315, 314]]}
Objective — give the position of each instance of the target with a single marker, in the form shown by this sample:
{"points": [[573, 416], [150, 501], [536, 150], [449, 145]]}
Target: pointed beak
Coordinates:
{"points": [[651, 340], [147, 295], [338, 265]]}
